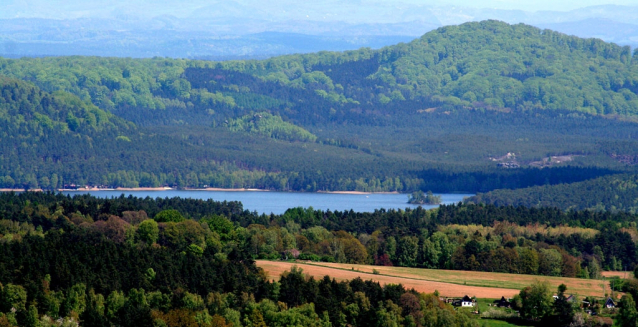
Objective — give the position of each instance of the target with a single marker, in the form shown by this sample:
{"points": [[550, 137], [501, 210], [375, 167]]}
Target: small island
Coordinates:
{"points": [[419, 197]]}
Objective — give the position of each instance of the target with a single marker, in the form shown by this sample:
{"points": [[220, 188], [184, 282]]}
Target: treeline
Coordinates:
{"points": [[607, 193], [93, 262], [469, 237]]}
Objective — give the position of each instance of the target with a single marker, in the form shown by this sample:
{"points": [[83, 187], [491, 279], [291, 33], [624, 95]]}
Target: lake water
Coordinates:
{"points": [[279, 202]]}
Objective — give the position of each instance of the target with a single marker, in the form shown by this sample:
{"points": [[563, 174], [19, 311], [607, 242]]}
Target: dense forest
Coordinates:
{"points": [[610, 193], [64, 267], [183, 262], [470, 108], [469, 237]]}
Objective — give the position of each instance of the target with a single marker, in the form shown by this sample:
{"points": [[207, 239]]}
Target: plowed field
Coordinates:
{"points": [[447, 282]]}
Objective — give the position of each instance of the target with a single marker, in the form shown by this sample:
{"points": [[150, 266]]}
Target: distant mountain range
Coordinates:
{"points": [[249, 29]]}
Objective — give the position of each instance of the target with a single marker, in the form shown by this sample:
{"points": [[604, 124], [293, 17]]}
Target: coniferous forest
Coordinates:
{"points": [[470, 108], [180, 262], [542, 126]]}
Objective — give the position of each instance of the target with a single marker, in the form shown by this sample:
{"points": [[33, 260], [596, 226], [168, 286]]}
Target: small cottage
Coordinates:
{"points": [[610, 304], [467, 302]]}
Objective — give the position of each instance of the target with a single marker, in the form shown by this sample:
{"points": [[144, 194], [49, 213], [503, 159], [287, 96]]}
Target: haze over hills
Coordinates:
{"points": [[243, 29]]}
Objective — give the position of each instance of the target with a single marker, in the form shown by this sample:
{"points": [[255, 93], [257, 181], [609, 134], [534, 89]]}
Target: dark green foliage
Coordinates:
{"points": [[563, 309], [608, 193], [627, 315], [419, 197], [66, 272], [425, 115], [411, 237]]}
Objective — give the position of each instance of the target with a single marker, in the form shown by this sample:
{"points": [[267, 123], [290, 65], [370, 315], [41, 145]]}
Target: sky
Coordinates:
{"points": [[88, 8], [530, 5]]}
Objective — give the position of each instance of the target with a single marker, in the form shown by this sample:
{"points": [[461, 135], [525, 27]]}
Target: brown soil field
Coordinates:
{"points": [[447, 282], [274, 270], [621, 274]]}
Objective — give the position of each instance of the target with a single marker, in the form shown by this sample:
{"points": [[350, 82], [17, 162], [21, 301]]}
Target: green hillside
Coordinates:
{"points": [[608, 193], [266, 124], [440, 113]]}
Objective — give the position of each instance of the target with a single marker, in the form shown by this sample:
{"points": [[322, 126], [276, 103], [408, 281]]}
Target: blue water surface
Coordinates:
{"points": [[279, 202]]}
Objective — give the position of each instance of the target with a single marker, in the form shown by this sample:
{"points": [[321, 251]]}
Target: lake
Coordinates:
{"points": [[278, 202]]}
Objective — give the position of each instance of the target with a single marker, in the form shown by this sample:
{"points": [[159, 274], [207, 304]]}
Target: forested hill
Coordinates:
{"points": [[608, 193], [485, 64], [448, 106], [488, 64]]}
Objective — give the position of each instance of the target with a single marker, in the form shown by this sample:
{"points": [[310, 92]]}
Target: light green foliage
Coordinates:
{"points": [[221, 225], [25, 108], [53, 303], [514, 66], [184, 234], [169, 215], [158, 300], [389, 315], [528, 260], [195, 249], [114, 302], [407, 251], [108, 82], [317, 234], [550, 262], [536, 301], [75, 301], [594, 269], [418, 197], [150, 274], [31, 318], [13, 296], [96, 302], [148, 231], [627, 314], [211, 99], [274, 315], [272, 126], [193, 302]]}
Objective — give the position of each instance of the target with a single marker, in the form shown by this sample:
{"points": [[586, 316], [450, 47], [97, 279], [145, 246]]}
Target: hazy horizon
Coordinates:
{"points": [[230, 29], [58, 9]]}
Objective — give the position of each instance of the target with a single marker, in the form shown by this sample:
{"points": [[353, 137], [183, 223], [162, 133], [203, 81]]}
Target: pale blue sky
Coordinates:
{"points": [[528, 5], [99, 8]]}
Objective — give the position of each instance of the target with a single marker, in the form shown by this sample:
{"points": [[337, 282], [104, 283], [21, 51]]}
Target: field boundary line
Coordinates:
{"points": [[393, 276]]}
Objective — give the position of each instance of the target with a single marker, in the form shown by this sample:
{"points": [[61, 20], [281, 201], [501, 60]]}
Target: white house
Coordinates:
{"points": [[467, 302]]}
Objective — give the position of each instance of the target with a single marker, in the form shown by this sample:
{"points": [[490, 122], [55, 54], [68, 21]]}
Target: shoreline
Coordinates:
{"points": [[219, 189], [209, 189], [356, 192]]}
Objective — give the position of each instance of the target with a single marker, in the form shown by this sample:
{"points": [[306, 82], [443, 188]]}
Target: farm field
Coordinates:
{"points": [[620, 274], [274, 269], [447, 282]]}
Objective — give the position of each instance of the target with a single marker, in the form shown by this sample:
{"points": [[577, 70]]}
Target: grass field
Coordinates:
{"points": [[447, 282], [621, 274]]}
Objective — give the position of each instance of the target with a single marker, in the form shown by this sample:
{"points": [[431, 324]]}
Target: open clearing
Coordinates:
{"points": [[621, 274], [447, 282], [274, 269]]}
